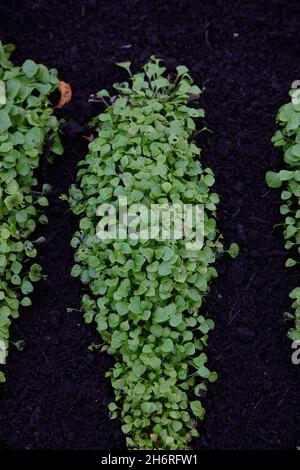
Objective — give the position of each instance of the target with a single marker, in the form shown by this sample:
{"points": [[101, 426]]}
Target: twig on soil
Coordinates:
{"points": [[259, 220], [283, 398], [207, 42], [265, 194], [250, 281], [98, 99], [231, 318]]}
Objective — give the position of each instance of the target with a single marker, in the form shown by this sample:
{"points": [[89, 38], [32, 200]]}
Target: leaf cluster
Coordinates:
{"points": [[26, 123], [145, 295], [287, 138]]}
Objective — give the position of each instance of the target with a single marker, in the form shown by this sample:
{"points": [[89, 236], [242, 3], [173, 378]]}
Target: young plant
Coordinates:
{"points": [[288, 138], [145, 294], [26, 123]]}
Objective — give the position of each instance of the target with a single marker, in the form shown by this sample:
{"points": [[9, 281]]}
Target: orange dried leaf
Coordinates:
{"points": [[65, 93]]}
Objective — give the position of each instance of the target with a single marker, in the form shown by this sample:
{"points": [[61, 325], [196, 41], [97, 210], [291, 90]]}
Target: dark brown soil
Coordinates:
{"points": [[246, 54]]}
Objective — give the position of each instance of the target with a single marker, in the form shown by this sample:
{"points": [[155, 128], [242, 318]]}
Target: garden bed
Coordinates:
{"points": [[246, 54]]}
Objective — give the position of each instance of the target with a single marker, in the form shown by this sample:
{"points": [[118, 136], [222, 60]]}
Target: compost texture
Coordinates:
{"points": [[246, 54]]}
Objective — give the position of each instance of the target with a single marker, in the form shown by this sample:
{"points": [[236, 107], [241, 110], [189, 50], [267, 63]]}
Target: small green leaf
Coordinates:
{"points": [[177, 426], [164, 269], [2, 93], [43, 201], [30, 68], [5, 233], [126, 428], [273, 179], [5, 121], [26, 287], [167, 187], [234, 250], [125, 65], [167, 346], [197, 409], [139, 389], [26, 302], [76, 270], [203, 372], [112, 406], [176, 320], [290, 262], [209, 180]]}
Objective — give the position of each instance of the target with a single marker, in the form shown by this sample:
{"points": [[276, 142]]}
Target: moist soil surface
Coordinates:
{"points": [[246, 55]]}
